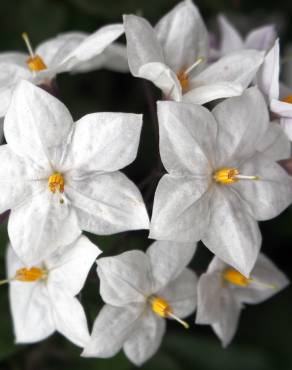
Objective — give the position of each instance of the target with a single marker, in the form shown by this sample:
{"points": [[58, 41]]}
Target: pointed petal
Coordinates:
{"points": [[111, 329], [70, 265], [233, 235], [103, 142], [183, 36], [125, 278], [181, 209], [168, 260], [146, 338], [230, 38], [107, 203], [261, 38]]}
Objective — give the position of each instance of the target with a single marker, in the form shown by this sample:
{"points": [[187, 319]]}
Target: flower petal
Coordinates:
{"points": [[183, 36], [187, 138], [230, 38], [125, 278], [111, 329], [181, 209], [145, 339], [51, 225], [107, 203], [181, 294], [281, 108], [103, 142], [232, 235], [242, 124], [37, 125], [261, 38], [168, 260], [70, 265]]}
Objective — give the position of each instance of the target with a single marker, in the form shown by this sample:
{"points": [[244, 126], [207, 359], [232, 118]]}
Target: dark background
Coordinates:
{"points": [[264, 337]]}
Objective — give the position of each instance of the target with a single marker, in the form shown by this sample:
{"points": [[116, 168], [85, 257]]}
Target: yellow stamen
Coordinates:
{"points": [[30, 275], [56, 183], [235, 277], [230, 176], [287, 99], [183, 80], [162, 308], [34, 62]]}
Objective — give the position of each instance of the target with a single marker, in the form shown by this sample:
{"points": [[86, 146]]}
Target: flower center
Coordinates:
{"points": [[235, 277], [183, 75], [162, 308], [228, 175], [56, 183], [287, 99], [34, 62], [30, 275]]}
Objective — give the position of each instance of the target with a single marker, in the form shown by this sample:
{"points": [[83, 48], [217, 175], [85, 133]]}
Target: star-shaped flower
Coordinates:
{"points": [[72, 51], [42, 297], [219, 181], [59, 177], [141, 290], [223, 291], [173, 56]]}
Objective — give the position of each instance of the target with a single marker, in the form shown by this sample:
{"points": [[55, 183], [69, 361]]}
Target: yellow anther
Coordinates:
{"points": [[236, 278], [287, 99], [183, 80], [226, 175], [30, 275], [34, 62], [56, 183]]}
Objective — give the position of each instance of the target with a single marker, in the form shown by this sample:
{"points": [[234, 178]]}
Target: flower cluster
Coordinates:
{"points": [[224, 126]]}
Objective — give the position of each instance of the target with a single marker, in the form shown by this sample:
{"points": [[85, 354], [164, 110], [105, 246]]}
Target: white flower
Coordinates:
{"points": [[278, 97], [72, 51], [42, 297], [59, 177], [223, 291], [218, 183], [172, 56], [141, 290]]}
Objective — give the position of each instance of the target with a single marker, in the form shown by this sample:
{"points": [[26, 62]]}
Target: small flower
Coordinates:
{"points": [[141, 290], [59, 177], [68, 52], [220, 180], [42, 297], [223, 291], [173, 56]]}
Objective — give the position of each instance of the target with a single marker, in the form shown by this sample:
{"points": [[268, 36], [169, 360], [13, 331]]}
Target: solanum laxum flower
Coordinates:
{"points": [[219, 181], [141, 291], [59, 177]]}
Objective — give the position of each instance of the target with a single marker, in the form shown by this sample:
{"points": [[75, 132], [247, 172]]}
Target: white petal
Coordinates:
{"points": [[205, 94], [281, 108], [142, 43], [209, 298], [181, 294], [70, 265], [267, 197], [242, 124], [69, 317], [268, 74], [187, 138], [30, 306], [145, 339], [107, 203], [275, 143], [230, 312], [268, 280], [181, 209], [40, 226], [261, 38], [238, 67], [103, 142], [168, 260], [232, 235], [36, 125], [230, 38], [286, 124], [125, 278], [182, 35], [111, 329]]}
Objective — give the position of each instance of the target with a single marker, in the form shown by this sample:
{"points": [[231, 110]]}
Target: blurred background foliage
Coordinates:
{"points": [[264, 337]]}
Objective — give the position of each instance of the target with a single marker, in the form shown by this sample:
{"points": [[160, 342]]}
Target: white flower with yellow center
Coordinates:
{"points": [[42, 296], [59, 177], [222, 176], [223, 291], [141, 291], [72, 51], [173, 57]]}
